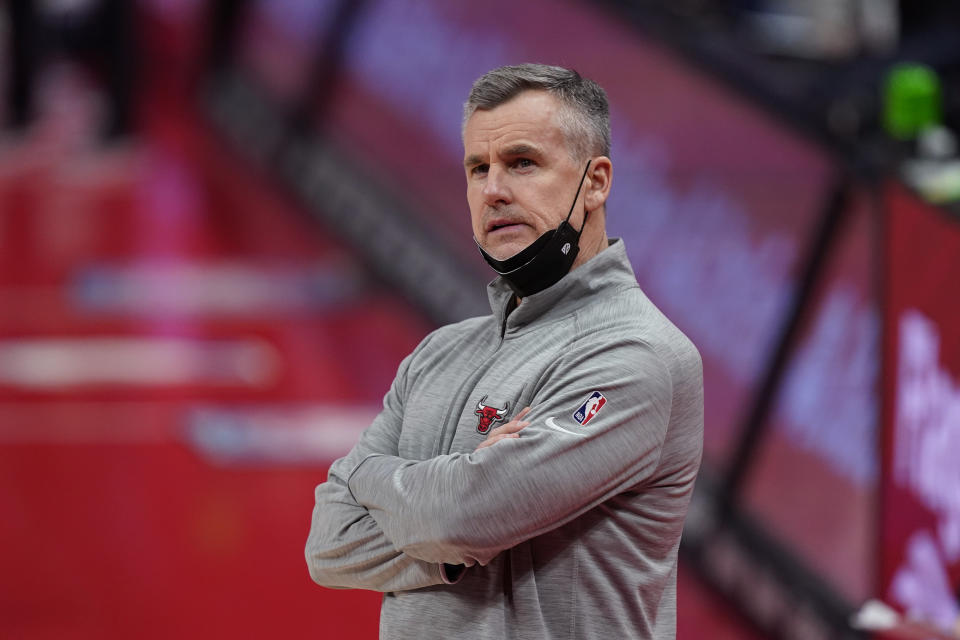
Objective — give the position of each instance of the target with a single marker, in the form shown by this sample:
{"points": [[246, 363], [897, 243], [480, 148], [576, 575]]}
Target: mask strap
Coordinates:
{"points": [[577, 195]]}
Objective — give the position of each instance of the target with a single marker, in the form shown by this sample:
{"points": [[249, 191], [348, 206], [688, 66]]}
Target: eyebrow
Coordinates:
{"points": [[472, 160], [521, 149]]}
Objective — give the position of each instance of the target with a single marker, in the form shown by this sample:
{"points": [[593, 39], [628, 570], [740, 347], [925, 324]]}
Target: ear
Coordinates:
{"points": [[598, 183]]}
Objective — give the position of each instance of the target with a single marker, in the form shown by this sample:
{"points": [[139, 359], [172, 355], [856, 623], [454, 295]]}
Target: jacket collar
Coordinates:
{"points": [[608, 269]]}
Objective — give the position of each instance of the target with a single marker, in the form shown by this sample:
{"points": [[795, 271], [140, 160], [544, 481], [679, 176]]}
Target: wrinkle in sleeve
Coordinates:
{"points": [[346, 548], [466, 508]]}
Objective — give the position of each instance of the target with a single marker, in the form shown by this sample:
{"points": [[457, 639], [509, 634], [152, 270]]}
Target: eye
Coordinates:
{"points": [[523, 163], [480, 170]]}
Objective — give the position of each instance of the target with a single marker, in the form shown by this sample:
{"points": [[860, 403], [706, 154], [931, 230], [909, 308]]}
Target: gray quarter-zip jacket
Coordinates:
{"points": [[569, 531]]}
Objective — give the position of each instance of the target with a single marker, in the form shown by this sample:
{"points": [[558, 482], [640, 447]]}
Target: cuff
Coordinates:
{"points": [[452, 573]]}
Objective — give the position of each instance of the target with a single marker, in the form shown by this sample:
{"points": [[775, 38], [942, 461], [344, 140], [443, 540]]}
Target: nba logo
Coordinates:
{"points": [[590, 408]]}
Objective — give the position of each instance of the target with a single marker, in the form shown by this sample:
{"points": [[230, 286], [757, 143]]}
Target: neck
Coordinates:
{"points": [[591, 242]]}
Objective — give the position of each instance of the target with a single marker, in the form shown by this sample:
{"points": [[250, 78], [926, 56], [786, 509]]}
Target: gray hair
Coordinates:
{"points": [[585, 118]]}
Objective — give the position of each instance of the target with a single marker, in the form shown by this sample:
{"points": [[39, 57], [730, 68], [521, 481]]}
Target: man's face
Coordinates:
{"points": [[521, 178]]}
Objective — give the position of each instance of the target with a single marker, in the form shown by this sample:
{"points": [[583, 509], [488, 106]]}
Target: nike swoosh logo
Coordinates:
{"points": [[553, 425]]}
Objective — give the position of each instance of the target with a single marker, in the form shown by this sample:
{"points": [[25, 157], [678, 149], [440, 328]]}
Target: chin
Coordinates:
{"points": [[509, 245], [506, 250]]}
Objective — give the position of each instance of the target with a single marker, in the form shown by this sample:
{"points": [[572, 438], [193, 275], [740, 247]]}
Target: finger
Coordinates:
{"points": [[511, 427], [492, 440], [522, 413], [514, 425]]}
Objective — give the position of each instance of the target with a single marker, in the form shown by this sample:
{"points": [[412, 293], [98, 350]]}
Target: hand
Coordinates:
{"points": [[508, 430]]}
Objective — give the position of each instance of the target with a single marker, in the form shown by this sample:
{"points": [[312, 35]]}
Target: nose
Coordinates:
{"points": [[496, 190]]}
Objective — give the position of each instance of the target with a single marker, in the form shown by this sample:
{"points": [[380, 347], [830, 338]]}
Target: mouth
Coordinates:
{"points": [[503, 225]]}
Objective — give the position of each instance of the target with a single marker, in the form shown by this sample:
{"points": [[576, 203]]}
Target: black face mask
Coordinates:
{"points": [[546, 260]]}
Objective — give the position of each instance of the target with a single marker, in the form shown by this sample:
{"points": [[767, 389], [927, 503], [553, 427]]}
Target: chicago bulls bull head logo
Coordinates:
{"points": [[488, 415]]}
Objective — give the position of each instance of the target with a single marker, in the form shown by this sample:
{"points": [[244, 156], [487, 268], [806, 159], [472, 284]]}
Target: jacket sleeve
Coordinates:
{"points": [[466, 508], [346, 548]]}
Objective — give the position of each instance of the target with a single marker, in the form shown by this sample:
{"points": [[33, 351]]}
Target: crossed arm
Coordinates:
{"points": [[347, 549], [385, 523]]}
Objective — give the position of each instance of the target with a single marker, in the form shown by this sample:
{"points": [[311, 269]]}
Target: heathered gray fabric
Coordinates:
{"points": [[568, 531]]}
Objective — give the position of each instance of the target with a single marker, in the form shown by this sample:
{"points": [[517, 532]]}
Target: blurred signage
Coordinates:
{"points": [[920, 536]]}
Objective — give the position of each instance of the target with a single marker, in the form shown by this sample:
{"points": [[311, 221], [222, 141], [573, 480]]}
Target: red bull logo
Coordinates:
{"points": [[488, 415]]}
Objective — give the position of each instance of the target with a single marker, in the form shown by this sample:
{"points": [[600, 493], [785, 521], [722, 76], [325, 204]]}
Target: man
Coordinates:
{"points": [[564, 521]]}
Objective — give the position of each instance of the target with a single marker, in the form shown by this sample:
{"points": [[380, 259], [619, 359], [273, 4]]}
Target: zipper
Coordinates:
{"points": [[454, 417]]}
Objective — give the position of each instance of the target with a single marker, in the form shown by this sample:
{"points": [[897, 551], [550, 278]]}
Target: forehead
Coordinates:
{"points": [[532, 117]]}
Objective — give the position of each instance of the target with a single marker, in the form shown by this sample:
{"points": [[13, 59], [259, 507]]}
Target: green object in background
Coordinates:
{"points": [[912, 100]]}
